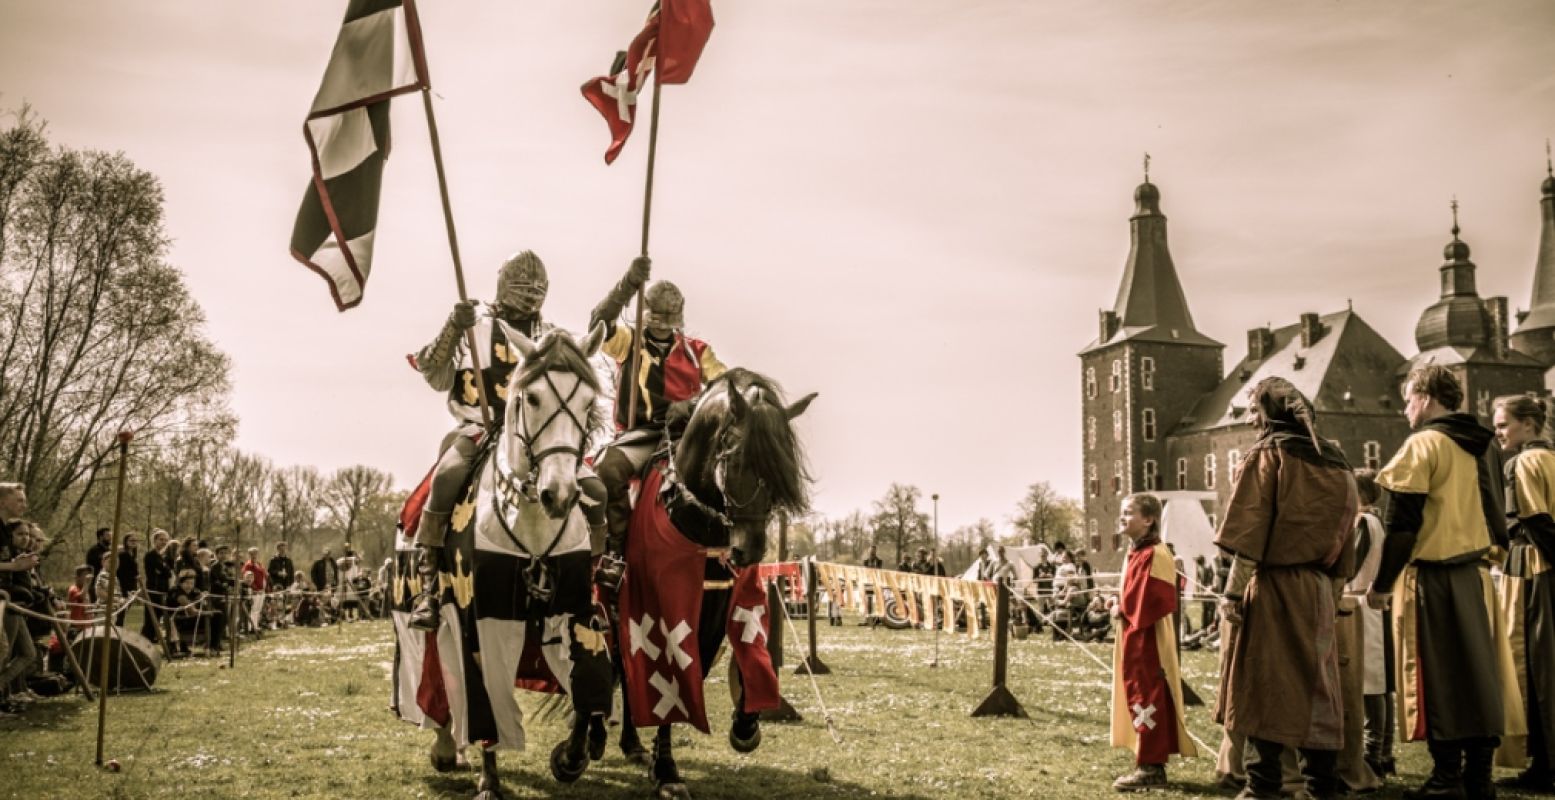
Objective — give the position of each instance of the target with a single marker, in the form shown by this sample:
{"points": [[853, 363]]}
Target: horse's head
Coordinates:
{"points": [[740, 446], [551, 412]]}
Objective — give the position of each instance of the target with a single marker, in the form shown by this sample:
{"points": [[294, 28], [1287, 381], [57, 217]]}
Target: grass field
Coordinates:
{"points": [[305, 714]]}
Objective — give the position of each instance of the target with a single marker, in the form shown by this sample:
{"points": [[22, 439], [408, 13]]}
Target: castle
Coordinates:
{"points": [[1160, 412]]}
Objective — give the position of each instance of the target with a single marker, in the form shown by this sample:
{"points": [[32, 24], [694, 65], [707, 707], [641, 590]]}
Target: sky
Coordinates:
{"points": [[912, 207]]}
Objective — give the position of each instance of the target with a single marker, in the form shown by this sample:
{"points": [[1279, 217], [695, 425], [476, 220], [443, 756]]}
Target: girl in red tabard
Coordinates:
{"points": [[1146, 687]]}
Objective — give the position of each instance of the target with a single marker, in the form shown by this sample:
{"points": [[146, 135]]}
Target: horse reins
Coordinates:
{"points": [[514, 493]]}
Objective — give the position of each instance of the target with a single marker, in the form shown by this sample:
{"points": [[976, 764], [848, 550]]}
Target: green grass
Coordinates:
{"points": [[305, 714]]}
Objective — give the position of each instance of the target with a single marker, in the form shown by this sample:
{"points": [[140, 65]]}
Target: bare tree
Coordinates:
{"points": [[97, 332], [350, 493], [293, 510], [898, 520], [1045, 516]]}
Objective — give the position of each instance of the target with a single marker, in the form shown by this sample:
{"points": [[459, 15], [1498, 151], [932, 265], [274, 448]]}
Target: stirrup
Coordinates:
{"points": [[425, 614], [610, 571]]}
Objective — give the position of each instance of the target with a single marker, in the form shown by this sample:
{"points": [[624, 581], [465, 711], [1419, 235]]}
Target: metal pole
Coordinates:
{"points": [[933, 569], [234, 598], [113, 567]]}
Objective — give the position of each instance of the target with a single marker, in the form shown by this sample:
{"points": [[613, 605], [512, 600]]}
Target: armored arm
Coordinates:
{"points": [[609, 309], [439, 360]]}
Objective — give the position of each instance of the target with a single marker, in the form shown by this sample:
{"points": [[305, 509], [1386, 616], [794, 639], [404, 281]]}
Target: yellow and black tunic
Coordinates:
{"points": [[1455, 677], [1527, 598], [667, 371]]}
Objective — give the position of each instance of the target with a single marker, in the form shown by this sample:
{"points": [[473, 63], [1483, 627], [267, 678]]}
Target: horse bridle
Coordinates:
{"points": [[729, 516], [513, 492]]}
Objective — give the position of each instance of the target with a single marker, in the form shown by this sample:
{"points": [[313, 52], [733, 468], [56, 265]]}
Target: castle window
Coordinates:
{"points": [[1209, 470], [1117, 426], [1147, 373], [1233, 464], [1115, 383], [1091, 481], [1147, 424], [1152, 476], [1117, 539], [1090, 382], [1483, 403], [1117, 477], [1095, 535], [1090, 433], [1213, 525], [1372, 452], [1182, 473]]}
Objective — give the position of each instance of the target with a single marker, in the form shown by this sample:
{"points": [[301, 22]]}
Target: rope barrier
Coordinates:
{"points": [[1108, 667], [825, 712]]}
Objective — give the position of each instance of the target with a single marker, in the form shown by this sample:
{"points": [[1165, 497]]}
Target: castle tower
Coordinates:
{"points": [[1535, 334], [1140, 377], [1468, 335]]}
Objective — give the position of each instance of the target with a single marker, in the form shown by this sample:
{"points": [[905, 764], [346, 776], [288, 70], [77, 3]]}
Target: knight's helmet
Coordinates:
{"points": [[665, 302], [522, 284]]}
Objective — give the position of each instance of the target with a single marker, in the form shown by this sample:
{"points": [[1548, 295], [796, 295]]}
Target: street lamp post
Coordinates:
{"points": [[934, 570]]}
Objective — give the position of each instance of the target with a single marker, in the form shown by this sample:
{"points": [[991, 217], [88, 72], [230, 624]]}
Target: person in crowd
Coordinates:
{"points": [[187, 614], [1288, 528], [19, 655], [188, 557], [282, 574], [127, 571], [159, 582], [346, 592], [204, 560], [78, 599], [922, 565], [1376, 631], [1147, 709], [223, 585], [1203, 584], [1000, 570], [1444, 517], [1527, 591], [306, 606], [936, 565], [325, 572], [1096, 625], [257, 578], [872, 560], [984, 564], [1042, 577], [97, 556]]}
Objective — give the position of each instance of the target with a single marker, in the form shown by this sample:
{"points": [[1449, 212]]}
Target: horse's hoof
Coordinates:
{"points": [[598, 738], [673, 791], [747, 745], [561, 769], [444, 763]]}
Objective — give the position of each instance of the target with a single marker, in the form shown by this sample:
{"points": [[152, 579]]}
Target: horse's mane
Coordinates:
{"points": [[557, 351], [769, 448]]}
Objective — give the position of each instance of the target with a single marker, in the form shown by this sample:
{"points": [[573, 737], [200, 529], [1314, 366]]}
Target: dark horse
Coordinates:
{"points": [[737, 463]]}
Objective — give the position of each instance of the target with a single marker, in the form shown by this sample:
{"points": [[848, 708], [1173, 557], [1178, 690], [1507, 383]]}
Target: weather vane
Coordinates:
{"points": [[1147, 163], [1454, 217]]}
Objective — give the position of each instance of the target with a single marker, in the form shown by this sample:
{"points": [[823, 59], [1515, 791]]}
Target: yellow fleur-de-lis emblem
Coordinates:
{"points": [[470, 394], [462, 513], [588, 638], [503, 354], [461, 580], [502, 392]]}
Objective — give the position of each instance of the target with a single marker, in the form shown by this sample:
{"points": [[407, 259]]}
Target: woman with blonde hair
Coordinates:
{"points": [[1527, 592]]}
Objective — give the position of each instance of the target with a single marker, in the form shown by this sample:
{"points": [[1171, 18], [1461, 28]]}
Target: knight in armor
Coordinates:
{"points": [[521, 290], [670, 370]]}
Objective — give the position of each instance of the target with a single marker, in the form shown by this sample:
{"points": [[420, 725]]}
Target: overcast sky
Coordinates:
{"points": [[914, 208]]}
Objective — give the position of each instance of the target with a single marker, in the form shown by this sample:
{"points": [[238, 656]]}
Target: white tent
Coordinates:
{"points": [[1186, 527]]}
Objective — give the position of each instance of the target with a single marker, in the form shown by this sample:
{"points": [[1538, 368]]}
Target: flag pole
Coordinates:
{"points": [[637, 341], [418, 50]]}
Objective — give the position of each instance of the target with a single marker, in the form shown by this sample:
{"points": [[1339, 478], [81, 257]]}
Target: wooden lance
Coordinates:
{"points": [[113, 568]]}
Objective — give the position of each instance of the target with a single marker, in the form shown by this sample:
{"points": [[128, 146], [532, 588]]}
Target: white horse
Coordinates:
{"points": [[517, 568]]}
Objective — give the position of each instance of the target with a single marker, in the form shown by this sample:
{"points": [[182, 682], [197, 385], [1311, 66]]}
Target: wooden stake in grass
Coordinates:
{"points": [[113, 568], [811, 662], [1000, 702]]}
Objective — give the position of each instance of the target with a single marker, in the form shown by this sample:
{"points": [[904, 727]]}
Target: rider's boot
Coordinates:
{"points": [[425, 614]]}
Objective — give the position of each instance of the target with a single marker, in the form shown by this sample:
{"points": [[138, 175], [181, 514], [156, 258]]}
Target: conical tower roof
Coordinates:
{"points": [[1151, 305], [1535, 334]]}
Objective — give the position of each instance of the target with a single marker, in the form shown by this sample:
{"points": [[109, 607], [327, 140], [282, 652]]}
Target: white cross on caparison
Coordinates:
{"points": [[639, 631], [672, 642], [621, 92], [1144, 716], [669, 695], [751, 619]]}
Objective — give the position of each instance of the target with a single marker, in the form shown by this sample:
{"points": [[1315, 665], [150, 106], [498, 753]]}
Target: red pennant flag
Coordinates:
{"points": [[615, 97], [684, 28]]}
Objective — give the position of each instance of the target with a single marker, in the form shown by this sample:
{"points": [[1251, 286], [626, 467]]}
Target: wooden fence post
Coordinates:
{"points": [[999, 702]]}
